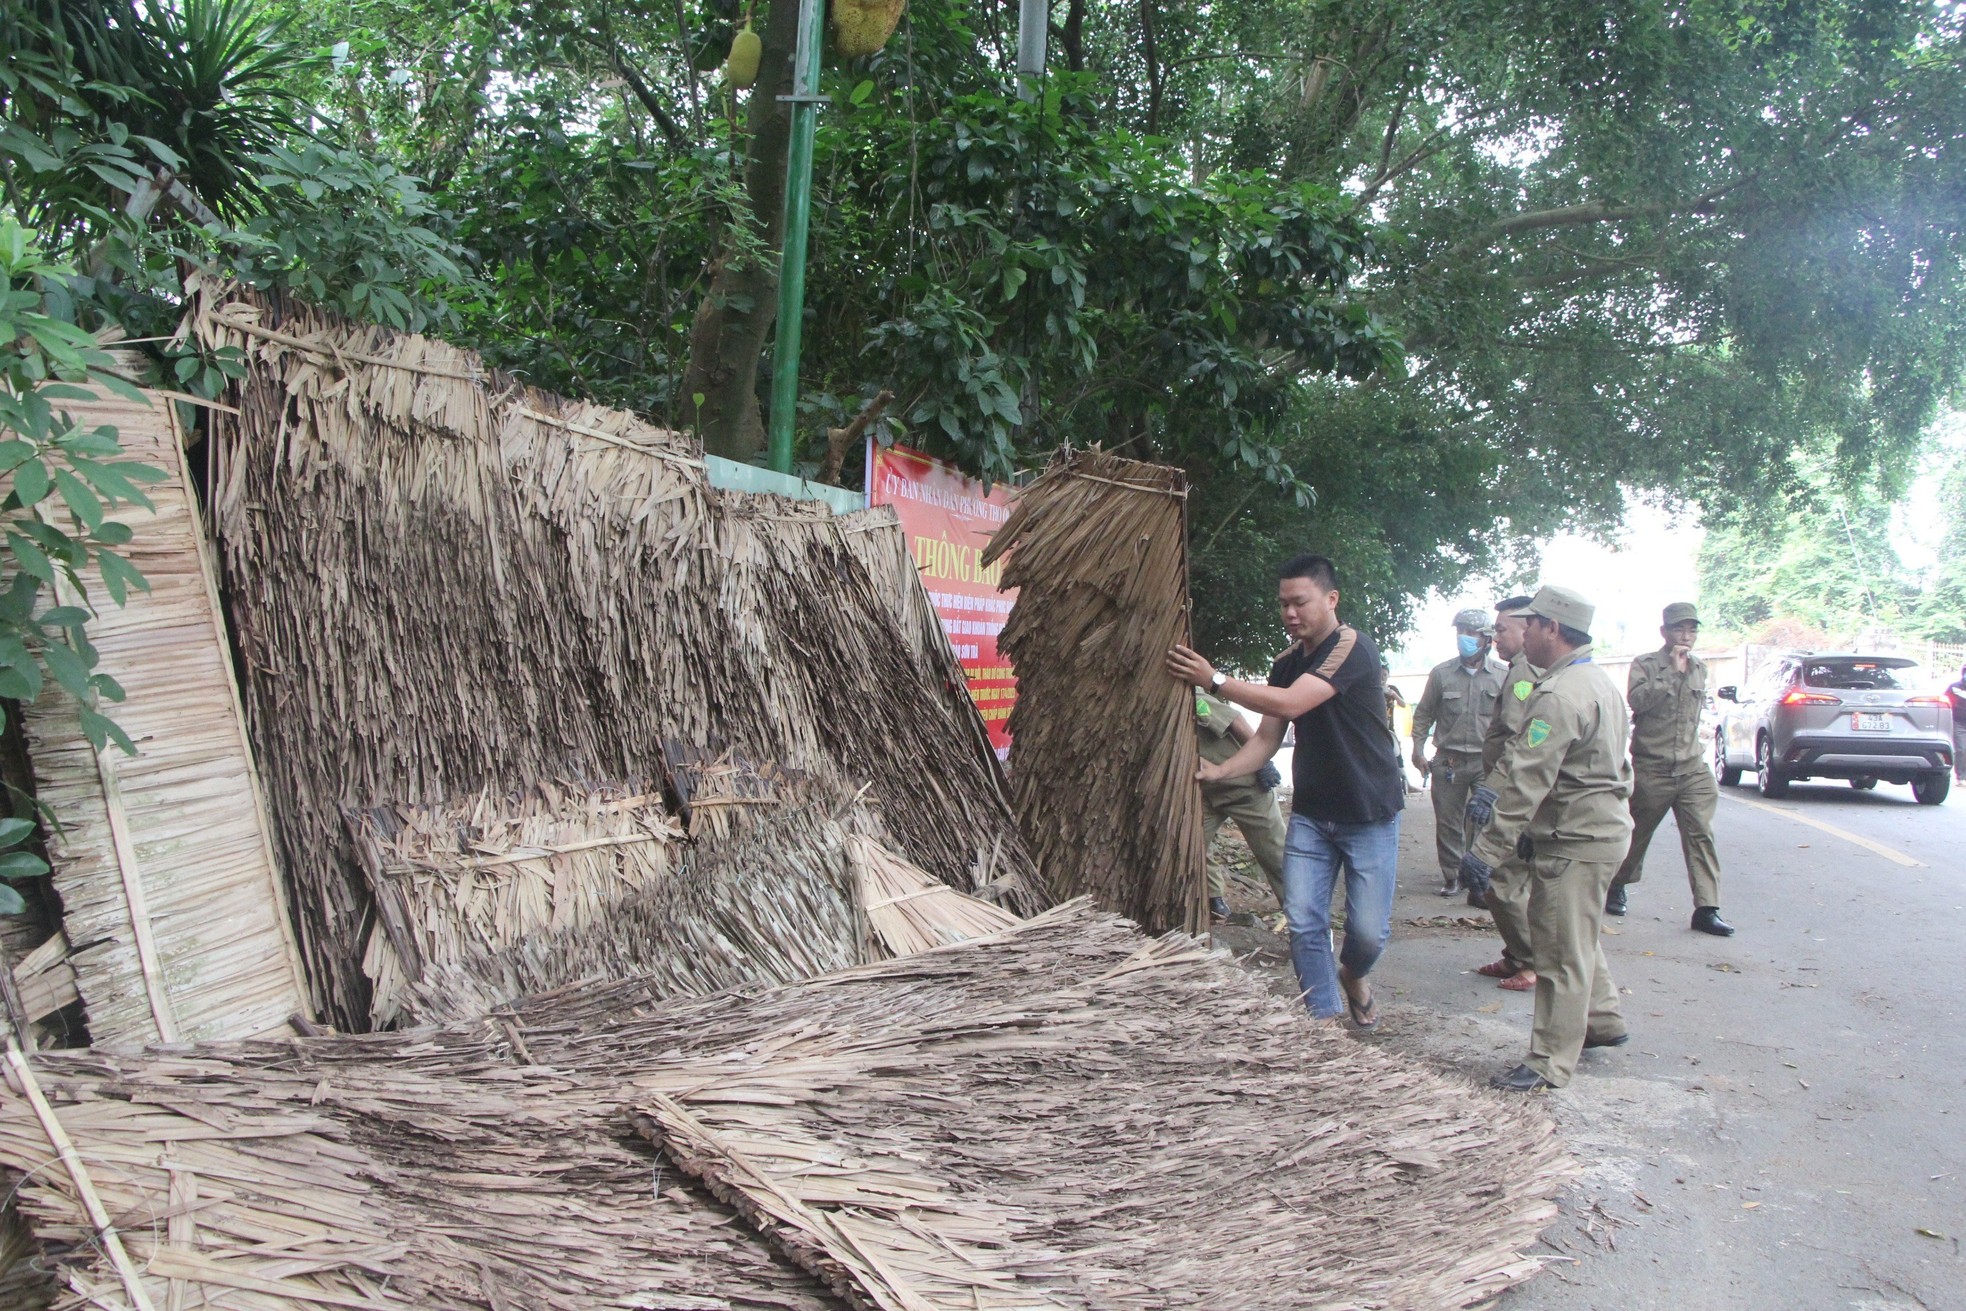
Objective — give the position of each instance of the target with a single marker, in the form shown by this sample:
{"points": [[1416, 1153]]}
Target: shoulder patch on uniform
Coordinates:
{"points": [[1537, 733], [1523, 687]]}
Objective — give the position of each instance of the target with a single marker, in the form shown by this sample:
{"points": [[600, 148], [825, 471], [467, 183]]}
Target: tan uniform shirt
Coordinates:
{"points": [[1511, 711], [1666, 707], [1458, 705], [1213, 734], [1564, 780]]}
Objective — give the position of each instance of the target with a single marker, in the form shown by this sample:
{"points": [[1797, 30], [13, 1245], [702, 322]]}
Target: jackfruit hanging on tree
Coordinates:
{"points": [[860, 27], [741, 68]]}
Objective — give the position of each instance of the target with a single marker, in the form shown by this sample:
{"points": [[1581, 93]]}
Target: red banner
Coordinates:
{"points": [[948, 519]]}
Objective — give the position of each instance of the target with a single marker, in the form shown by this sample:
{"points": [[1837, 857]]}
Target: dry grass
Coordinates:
{"points": [[1103, 755]]}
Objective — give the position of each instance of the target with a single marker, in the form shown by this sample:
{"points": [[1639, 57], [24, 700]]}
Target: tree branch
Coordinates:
{"points": [[670, 131], [1149, 52]]}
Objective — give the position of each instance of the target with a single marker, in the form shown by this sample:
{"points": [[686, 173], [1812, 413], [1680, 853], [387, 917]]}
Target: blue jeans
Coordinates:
{"points": [[1312, 855]]}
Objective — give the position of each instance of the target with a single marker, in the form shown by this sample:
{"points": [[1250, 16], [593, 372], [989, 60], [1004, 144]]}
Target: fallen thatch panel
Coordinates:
{"points": [[1058, 1114], [443, 581], [1103, 754], [1157, 1133], [167, 880], [453, 882], [906, 911], [770, 904], [450, 1179]]}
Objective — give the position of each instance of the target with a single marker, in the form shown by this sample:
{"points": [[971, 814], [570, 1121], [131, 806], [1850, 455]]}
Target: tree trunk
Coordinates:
{"points": [[728, 333]]}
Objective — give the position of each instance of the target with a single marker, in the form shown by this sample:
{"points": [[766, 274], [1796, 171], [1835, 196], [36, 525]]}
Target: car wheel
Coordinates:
{"points": [[1932, 788], [1770, 780], [1864, 784], [1728, 774]]}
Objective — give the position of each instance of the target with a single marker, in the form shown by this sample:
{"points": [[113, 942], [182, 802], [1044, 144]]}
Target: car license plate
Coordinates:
{"points": [[1864, 723]]}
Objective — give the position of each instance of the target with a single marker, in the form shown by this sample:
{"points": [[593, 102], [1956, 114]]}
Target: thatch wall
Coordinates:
{"points": [[172, 901], [443, 581], [1102, 741], [1060, 1113]]}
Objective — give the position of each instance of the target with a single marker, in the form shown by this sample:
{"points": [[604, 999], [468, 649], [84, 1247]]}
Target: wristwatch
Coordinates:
{"points": [[1215, 683]]}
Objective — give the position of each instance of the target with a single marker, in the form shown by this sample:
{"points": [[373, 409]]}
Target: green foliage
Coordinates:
{"points": [[1823, 560], [16, 864], [67, 480]]}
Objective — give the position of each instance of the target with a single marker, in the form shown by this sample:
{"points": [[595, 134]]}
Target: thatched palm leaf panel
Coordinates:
{"points": [[471, 878], [173, 904], [1103, 755], [452, 1181], [1072, 1114], [444, 581]]}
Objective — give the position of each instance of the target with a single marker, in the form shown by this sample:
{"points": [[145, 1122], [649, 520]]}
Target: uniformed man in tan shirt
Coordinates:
{"points": [[1508, 893], [1456, 707], [1249, 799], [1561, 791], [1671, 767]]}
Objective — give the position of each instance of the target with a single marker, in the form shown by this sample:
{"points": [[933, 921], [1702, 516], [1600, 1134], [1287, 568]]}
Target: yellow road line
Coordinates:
{"points": [[1889, 853]]}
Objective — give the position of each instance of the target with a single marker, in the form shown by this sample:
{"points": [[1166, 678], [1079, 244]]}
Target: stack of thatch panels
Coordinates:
{"points": [[1060, 1113], [1102, 747], [175, 914], [446, 584]]}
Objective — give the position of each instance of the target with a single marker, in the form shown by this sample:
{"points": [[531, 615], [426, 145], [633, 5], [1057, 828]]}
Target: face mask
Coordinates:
{"points": [[1470, 646]]}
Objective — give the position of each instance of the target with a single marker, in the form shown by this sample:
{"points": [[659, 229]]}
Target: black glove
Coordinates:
{"points": [[1268, 778], [1481, 806], [1475, 874]]}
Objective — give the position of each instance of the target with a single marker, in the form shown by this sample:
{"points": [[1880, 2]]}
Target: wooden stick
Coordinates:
{"points": [[85, 1187], [126, 864]]}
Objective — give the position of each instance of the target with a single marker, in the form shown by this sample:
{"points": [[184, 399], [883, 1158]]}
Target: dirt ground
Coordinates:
{"points": [[1787, 1128]]}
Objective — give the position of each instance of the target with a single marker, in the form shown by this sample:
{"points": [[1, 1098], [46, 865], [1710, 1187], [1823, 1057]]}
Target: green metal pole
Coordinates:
{"points": [[798, 213]]}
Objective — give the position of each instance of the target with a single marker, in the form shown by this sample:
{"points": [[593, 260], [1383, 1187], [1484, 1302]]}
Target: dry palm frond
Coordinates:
{"points": [[1103, 755], [770, 904], [1062, 1113], [452, 882], [446, 582], [907, 911], [162, 860]]}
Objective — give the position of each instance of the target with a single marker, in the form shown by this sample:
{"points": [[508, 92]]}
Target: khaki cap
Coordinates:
{"points": [[1680, 612], [1563, 606]]}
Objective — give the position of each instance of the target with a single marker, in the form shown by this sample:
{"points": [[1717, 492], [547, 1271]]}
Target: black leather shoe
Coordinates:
{"points": [[1218, 908], [1707, 920], [1618, 1041], [1521, 1079], [1614, 900]]}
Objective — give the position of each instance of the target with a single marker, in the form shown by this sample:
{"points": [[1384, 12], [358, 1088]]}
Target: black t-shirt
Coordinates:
{"points": [[1346, 766]]}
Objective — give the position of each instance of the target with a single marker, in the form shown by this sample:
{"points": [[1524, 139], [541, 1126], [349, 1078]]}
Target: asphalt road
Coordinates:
{"points": [[1787, 1128]]}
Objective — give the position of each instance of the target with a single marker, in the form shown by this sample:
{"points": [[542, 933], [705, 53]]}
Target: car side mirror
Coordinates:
{"points": [[1728, 694]]}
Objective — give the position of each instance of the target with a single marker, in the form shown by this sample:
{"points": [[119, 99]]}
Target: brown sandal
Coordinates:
{"points": [[1366, 1016]]}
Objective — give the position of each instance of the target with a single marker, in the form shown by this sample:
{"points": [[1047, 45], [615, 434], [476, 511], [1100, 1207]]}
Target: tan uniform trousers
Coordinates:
{"points": [[1575, 996], [1255, 812], [1508, 902], [1691, 795], [1450, 778]]}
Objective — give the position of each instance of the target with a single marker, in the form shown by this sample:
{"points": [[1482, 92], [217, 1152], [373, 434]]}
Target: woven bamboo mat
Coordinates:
{"points": [[163, 864], [1102, 749], [444, 581]]}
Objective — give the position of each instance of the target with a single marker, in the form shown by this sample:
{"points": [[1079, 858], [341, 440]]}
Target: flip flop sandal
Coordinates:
{"points": [[1366, 1017], [1517, 983], [1501, 969], [1451, 890]]}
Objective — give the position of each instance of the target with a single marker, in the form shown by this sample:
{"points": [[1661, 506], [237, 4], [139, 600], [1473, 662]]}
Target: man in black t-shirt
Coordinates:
{"points": [[1346, 772]]}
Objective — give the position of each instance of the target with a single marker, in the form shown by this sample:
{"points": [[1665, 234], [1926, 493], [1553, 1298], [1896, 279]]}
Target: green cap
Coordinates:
{"points": [[1563, 606], [1681, 612]]}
